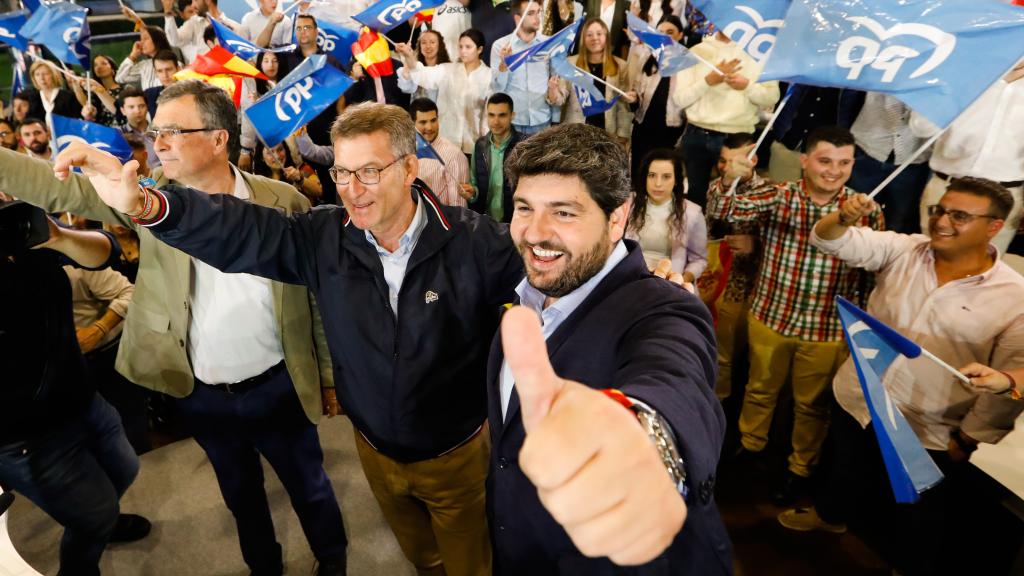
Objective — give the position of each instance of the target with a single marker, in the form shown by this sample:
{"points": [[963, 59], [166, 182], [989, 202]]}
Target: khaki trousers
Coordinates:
{"points": [[731, 333], [437, 507], [810, 367]]}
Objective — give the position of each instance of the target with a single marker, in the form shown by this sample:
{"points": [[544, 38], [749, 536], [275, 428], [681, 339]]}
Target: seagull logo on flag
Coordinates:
{"points": [[856, 52], [749, 36]]}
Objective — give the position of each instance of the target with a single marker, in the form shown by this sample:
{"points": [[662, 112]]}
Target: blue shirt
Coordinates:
{"points": [[526, 85], [395, 263], [553, 316]]}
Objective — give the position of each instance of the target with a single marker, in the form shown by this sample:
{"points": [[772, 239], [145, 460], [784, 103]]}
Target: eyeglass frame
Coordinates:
{"points": [[152, 135], [300, 27], [334, 170], [958, 217]]}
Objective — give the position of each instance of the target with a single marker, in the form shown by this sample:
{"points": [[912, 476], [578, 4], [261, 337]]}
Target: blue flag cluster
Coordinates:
{"points": [[874, 346], [672, 56], [387, 14], [10, 29], [590, 97], [63, 28], [240, 46], [751, 24], [336, 40], [557, 46], [68, 130], [298, 98], [937, 56]]}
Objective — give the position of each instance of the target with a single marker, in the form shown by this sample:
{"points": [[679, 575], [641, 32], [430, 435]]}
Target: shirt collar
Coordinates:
{"points": [[564, 306], [409, 237], [241, 190], [501, 146]]}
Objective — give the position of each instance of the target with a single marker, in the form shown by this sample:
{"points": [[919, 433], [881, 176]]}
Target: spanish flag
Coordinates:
{"points": [[220, 61], [230, 84], [372, 52], [425, 16]]}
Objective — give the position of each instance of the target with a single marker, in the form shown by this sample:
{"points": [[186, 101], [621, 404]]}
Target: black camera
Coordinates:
{"points": [[22, 226]]}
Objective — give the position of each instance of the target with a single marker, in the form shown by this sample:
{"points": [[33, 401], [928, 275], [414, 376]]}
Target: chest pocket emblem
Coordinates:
{"points": [[430, 296]]}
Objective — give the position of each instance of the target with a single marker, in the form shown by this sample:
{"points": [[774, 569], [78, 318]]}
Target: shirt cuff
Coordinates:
{"points": [[830, 246]]}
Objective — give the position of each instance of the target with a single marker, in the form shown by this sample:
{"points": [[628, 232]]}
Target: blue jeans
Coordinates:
{"points": [[701, 149], [531, 130], [900, 198], [234, 430], [76, 473]]}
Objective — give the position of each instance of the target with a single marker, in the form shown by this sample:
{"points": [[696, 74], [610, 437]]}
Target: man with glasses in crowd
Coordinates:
{"points": [[245, 357], [950, 293], [8, 137]]}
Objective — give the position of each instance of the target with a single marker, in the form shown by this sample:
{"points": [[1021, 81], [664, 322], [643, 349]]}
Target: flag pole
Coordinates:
{"points": [[899, 169], [521, 18], [603, 81], [88, 87], [761, 138], [943, 364], [411, 33]]}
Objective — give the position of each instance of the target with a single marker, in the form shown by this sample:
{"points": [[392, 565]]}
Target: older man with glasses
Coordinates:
{"points": [[245, 357]]}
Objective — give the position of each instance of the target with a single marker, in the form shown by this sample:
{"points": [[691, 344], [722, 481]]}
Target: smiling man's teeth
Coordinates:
{"points": [[546, 253]]}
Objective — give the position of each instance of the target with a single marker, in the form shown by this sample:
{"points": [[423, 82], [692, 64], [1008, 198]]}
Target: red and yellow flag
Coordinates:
{"points": [[425, 16], [372, 52], [220, 61], [228, 83]]}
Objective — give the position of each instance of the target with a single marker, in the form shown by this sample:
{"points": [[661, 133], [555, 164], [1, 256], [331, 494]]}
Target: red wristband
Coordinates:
{"points": [[618, 396]]}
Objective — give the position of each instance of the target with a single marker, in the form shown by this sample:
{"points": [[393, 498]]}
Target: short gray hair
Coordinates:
{"points": [[370, 117], [216, 110], [587, 152]]}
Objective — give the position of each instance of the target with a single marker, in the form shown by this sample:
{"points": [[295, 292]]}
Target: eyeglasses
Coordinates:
{"points": [[367, 175], [5, 133], [956, 216], [302, 27], [152, 135]]}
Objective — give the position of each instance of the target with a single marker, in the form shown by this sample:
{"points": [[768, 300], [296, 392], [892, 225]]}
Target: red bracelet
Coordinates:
{"points": [[1012, 390], [618, 396]]}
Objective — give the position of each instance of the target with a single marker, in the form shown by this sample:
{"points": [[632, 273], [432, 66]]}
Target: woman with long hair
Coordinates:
{"points": [[431, 51], [662, 220], [595, 56], [54, 97], [137, 68], [558, 14], [462, 88], [652, 11], [657, 121], [281, 163], [102, 108]]}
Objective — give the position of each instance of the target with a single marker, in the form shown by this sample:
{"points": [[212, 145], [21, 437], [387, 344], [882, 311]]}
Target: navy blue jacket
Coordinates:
{"points": [[656, 343], [414, 385]]}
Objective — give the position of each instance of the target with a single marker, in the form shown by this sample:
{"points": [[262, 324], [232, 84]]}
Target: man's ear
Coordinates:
{"points": [[617, 221], [412, 169]]}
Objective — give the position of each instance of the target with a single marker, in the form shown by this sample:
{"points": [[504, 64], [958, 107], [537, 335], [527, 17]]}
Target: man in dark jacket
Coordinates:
{"points": [[579, 484], [492, 190]]}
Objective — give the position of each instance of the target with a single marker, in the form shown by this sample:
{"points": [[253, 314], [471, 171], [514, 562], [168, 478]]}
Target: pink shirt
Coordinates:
{"points": [[976, 319], [444, 179]]}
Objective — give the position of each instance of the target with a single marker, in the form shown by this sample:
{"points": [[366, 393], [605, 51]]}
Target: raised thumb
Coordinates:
{"points": [[527, 355]]}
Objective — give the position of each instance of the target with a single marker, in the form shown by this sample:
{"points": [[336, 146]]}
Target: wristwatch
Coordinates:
{"points": [[660, 433]]}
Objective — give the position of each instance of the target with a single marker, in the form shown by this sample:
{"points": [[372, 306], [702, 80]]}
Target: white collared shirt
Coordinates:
{"points": [[233, 332], [396, 263]]}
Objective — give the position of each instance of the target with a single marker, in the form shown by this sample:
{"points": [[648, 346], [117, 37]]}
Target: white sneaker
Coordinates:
{"points": [[807, 520]]}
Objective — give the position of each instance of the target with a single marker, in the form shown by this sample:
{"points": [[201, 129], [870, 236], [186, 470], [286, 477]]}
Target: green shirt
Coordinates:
{"points": [[496, 181]]}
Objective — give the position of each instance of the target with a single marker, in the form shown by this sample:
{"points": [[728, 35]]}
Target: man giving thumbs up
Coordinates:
{"points": [[604, 425]]}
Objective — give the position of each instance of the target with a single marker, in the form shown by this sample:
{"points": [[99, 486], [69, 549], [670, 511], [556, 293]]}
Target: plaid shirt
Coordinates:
{"points": [[797, 283]]}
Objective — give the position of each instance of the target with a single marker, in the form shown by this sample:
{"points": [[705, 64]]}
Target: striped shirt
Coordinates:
{"points": [[797, 283], [444, 180]]}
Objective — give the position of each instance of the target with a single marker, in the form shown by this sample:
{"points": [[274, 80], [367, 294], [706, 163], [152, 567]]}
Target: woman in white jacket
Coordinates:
{"points": [[663, 221], [462, 88]]}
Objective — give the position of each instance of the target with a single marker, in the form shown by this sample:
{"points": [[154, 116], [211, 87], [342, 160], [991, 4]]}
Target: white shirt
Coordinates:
{"points": [[141, 73], [340, 11], [188, 37], [975, 319], [254, 22], [883, 127], [451, 19], [986, 140], [655, 237], [460, 99], [444, 180], [396, 263], [233, 332]]}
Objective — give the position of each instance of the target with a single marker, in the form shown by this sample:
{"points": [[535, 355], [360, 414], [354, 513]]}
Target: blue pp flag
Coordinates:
{"points": [[550, 49], [20, 68], [874, 346], [386, 14], [63, 28], [240, 46], [68, 130], [298, 98], [672, 56], [937, 56], [30, 5], [580, 79], [336, 40], [591, 105], [10, 25], [751, 24], [425, 151]]}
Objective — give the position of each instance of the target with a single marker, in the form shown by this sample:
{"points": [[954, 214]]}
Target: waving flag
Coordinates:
{"points": [[672, 56], [937, 56], [10, 25], [226, 82], [425, 151], [298, 98], [220, 61], [30, 5], [874, 346], [63, 28], [386, 14], [20, 68], [336, 40], [554, 47], [425, 16], [751, 24], [239, 46], [372, 52], [579, 78], [68, 130]]}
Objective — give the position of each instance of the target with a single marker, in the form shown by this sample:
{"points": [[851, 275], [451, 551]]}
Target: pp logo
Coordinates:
{"points": [[65, 141], [325, 41], [552, 53], [749, 36], [5, 33], [396, 13], [242, 47], [856, 52], [293, 97]]}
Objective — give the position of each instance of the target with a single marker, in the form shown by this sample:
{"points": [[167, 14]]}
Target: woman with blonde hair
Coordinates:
{"points": [[595, 57], [55, 98]]}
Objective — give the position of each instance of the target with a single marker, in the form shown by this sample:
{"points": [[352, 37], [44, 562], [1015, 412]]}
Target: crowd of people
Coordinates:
{"points": [[255, 314]]}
